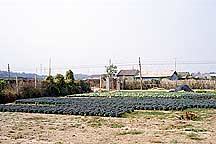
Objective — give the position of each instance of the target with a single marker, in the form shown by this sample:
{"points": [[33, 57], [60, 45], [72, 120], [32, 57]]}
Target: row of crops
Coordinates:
{"points": [[78, 109], [54, 100], [127, 102], [143, 94], [109, 107], [128, 94]]}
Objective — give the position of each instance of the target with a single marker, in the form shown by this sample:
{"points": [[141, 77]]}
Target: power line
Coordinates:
{"points": [[9, 73], [140, 69], [100, 66]]}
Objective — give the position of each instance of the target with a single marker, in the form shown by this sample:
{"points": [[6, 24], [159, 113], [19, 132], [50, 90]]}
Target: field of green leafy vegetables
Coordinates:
{"points": [[141, 94], [120, 102]]}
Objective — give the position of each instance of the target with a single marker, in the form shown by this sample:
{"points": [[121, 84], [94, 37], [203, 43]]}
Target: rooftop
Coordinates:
{"points": [[167, 73], [128, 73]]}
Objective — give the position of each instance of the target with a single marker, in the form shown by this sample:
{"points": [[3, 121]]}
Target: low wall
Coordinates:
{"points": [[169, 84]]}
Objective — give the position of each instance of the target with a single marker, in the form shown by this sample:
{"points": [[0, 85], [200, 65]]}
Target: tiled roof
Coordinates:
{"points": [[167, 73], [128, 73]]}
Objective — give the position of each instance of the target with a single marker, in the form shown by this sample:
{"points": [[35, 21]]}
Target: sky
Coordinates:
{"points": [[83, 35]]}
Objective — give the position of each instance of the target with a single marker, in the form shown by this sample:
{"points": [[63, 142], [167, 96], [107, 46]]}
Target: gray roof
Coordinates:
{"points": [[95, 76], [201, 75], [157, 74], [128, 73], [212, 74]]}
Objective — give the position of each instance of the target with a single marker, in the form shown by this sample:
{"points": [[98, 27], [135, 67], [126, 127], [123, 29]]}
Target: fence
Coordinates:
{"points": [[169, 84], [194, 84]]}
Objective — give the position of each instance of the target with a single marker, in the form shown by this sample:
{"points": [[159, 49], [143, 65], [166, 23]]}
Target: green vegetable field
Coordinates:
{"points": [[141, 94], [115, 106]]}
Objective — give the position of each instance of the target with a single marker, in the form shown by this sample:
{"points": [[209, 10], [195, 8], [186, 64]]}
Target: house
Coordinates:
{"points": [[158, 75], [127, 74], [96, 81], [94, 77], [213, 75], [201, 76], [183, 75]]}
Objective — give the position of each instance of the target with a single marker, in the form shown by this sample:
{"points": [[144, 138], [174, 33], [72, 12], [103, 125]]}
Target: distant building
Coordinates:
{"points": [[183, 75], [94, 77], [127, 74], [213, 75], [96, 81], [201, 76], [158, 75]]}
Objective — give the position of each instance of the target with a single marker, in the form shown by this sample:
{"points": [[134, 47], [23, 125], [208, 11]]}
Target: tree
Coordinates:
{"points": [[61, 85], [2, 85], [69, 77], [49, 88], [84, 87], [59, 80], [49, 79], [111, 70]]}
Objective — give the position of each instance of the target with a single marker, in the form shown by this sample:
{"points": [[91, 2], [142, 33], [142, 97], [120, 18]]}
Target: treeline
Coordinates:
{"points": [[50, 87]]}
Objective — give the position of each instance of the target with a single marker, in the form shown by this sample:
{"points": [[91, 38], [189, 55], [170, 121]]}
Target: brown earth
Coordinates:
{"points": [[139, 127]]}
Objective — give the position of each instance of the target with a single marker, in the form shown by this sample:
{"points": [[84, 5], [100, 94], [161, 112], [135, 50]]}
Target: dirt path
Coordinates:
{"points": [[142, 128]]}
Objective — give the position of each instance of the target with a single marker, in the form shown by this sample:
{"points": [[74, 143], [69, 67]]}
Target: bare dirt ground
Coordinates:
{"points": [[140, 127]]}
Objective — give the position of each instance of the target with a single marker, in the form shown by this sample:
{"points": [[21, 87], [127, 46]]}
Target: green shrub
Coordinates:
{"points": [[2, 85], [49, 89], [84, 87], [29, 92], [1, 98], [9, 96], [73, 89], [5, 96]]}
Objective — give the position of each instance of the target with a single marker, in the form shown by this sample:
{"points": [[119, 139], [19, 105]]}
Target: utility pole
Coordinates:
{"points": [[50, 67], [8, 73], [17, 85], [36, 79], [110, 77], [108, 83], [140, 67], [100, 82], [176, 81]]}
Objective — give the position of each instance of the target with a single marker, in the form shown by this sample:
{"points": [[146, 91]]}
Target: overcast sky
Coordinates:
{"points": [[90, 32]]}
